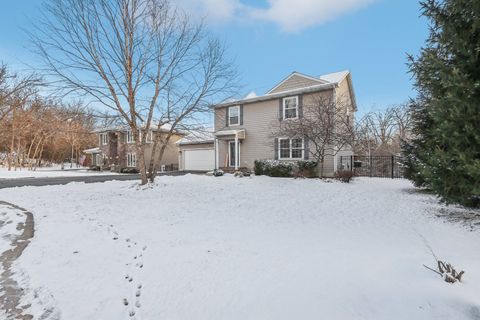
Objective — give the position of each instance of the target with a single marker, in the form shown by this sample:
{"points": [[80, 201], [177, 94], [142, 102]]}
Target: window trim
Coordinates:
{"points": [[132, 138], [230, 124], [149, 137], [103, 139], [284, 109], [290, 149], [131, 160]]}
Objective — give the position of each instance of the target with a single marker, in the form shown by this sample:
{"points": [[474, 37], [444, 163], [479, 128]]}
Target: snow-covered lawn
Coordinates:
{"points": [[45, 172], [198, 247]]}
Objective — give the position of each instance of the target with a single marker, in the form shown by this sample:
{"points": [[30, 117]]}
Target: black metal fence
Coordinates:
{"points": [[373, 166]]}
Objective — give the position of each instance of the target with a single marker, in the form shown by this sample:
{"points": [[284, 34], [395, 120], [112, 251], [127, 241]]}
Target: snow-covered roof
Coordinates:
{"points": [[314, 88], [323, 82], [197, 137], [153, 126], [251, 95], [92, 151], [335, 77]]}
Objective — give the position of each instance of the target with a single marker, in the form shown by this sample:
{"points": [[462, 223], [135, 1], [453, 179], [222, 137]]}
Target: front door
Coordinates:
{"points": [[231, 153]]}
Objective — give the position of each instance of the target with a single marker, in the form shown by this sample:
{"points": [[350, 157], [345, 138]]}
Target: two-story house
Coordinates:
{"points": [[116, 149], [243, 128]]}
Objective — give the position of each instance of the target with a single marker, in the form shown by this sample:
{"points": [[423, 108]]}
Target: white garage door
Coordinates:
{"points": [[201, 159]]}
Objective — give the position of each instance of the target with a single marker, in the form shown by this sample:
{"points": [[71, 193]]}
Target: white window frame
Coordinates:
{"points": [[149, 138], [296, 107], [290, 149], [129, 137], [230, 124], [131, 160], [103, 139]]}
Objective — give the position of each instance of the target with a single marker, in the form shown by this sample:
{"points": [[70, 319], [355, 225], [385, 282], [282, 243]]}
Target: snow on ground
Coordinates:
{"points": [[198, 247], [45, 172], [10, 218]]}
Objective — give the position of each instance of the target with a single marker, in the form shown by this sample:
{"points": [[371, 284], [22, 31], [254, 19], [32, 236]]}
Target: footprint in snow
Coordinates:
{"points": [[125, 302], [137, 304], [138, 293]]}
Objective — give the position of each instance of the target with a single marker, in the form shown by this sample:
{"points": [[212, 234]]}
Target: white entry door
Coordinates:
{"points": [[199, 159]]}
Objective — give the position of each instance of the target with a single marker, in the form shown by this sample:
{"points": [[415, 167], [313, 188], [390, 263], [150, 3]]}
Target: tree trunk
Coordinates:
{"points": [[39, 159], [151, 166], [156, 163], [141, 164], [29, 153]]}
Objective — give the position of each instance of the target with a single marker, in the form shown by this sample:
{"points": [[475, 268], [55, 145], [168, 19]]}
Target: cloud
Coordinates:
{"points": [[289, 15], [213, 10], [300, 14]]}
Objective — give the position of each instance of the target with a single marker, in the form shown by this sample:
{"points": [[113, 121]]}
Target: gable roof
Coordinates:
{"points": [[297, 83], [295, 80], [335, 77]]}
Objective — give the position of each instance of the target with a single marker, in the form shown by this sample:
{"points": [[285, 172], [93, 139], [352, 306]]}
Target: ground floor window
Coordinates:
{"points": [[290, 148], [131, 160]]}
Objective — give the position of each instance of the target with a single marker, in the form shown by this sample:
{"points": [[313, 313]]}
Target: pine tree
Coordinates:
{"points": [[445, 154]]}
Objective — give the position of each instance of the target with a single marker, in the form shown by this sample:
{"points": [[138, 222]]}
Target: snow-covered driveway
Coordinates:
{"points": [[198, 247]]}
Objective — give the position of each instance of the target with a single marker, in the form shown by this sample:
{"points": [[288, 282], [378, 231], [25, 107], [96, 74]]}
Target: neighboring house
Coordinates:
{"points": [[243, 128], [116, 148]]}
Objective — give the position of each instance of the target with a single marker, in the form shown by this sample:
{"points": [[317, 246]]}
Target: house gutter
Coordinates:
{"points": [[316, 88]]}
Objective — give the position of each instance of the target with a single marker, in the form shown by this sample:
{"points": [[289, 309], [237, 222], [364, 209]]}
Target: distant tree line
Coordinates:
{"points": [[382, 132], [35, 129]]}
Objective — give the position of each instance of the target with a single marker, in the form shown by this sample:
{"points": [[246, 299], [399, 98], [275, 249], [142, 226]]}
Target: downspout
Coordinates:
{"points": [[335, 130]]}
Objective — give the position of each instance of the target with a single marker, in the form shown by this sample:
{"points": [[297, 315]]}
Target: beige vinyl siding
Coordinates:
{"points": [[258, 119], [220, 118], [170, 156], [295, 82]]}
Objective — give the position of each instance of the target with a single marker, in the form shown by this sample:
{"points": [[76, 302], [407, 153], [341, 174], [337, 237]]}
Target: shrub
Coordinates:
{"points": [[344, 176], [273, 168], [259, 168], [129, 170], [306, 168]]}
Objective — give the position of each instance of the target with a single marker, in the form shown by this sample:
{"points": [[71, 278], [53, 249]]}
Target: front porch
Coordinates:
{"points": [[228, 149]]}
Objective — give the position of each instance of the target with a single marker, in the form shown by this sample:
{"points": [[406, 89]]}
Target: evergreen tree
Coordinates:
{"points": [[445, 153]]}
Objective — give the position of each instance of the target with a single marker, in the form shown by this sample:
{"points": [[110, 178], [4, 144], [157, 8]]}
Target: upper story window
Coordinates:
{"points": [[149, 137], [234, 116], [130, 138], [103, 139], [290, 149], [290, 107]]}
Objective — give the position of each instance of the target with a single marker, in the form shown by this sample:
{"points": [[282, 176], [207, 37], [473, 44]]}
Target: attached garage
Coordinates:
{"points": [[197, 152], [199, 159]]}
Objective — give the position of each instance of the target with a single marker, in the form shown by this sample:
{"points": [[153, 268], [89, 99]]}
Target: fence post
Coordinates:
{"points": [[393, 161], [351, 163], [370, 164]]}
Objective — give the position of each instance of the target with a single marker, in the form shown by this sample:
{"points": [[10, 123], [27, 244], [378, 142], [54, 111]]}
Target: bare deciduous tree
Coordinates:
{"points": [[325, 124], [14, 87], [137, 57], [382, 131]]}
